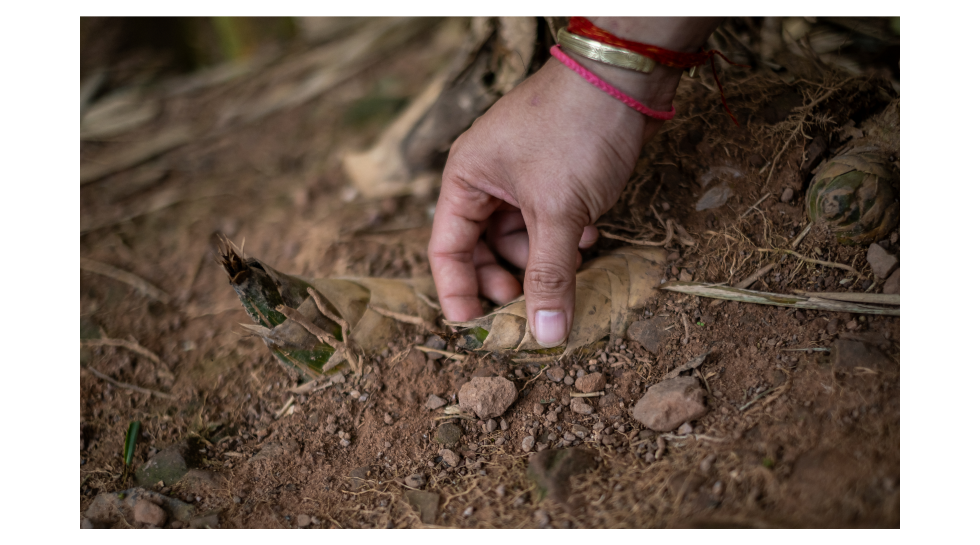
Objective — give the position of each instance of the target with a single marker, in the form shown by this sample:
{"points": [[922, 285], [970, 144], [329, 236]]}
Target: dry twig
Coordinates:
{"points": [[127, 386], [135, 347]]}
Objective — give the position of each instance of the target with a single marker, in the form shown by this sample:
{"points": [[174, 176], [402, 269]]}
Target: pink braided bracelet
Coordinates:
{"points": [[557, 53]]}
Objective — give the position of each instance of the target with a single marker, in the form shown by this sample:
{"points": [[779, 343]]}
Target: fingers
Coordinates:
{"points": [[507, 235], [460, 214], [590, 235], [494, 281], [549, 280]]}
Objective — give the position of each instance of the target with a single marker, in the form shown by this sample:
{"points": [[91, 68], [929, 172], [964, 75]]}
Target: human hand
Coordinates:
{"points": [[526, 182]]}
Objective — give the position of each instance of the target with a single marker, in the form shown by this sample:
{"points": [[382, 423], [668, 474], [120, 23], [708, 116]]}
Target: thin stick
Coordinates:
{"points": [[590, 394], [799, 237], [285, 407], [873, 298], [405, 318], [141, 285], [814, 261], [718, 291], [687, 329], [135, 347], [753, 207], [127, 386], [535, 377], [749, 280], [448, 354]]}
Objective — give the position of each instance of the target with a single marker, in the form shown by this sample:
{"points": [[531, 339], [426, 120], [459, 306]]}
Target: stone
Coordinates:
{"points": [[437, 342], [593, 382], [200, 482], [504, 426], [668, 404], [448, 434], [580, 406], [609, 400], [109, 507], [569, 380], [882, 263], [527, 443], [488, 397], [714, 197], [649, 333], [551, 470], [538, 409], [416, 480], [490, 426], [146, 512], [434, 402], [787, 195], [685, 276], [541, 518], [168, 466], [449, 457], [303, 521], [426, 503], [685, 429], [891, 285], [555, 374]]}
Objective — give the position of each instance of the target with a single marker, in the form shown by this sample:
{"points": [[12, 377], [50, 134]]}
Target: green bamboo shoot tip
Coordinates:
{"points": [[130, 445]]}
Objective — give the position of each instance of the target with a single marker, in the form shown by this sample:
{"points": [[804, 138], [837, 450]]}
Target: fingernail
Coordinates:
{"points": [[549, 327]]}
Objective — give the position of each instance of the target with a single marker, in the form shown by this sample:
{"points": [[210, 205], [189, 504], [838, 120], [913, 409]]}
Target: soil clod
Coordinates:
{"points": [[670, 403]]}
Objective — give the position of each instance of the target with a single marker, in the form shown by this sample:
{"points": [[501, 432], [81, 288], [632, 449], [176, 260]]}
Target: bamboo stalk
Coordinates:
{"points": [[716, 291]]}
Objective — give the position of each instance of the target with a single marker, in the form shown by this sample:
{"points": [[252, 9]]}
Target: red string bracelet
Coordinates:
{"points": [[675, 59], [557, 53]]}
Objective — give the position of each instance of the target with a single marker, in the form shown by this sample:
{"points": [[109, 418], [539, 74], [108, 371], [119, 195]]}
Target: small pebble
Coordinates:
{"points": [[388, 419], [501, 490], [555, 374], [504, 426], [490, 426], [468, 511], [303, 521], [541, 518], [236, 499], [527, 443], [569, 381]]}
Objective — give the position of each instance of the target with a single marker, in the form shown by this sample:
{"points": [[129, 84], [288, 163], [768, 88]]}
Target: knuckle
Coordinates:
{"points": [[546, 280]]}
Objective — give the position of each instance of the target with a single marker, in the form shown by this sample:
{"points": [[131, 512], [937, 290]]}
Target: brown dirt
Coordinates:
{"points": [[818, 447]]}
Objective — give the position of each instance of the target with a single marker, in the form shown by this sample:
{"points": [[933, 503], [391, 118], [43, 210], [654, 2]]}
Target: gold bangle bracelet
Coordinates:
{"points": [[606, 54]]}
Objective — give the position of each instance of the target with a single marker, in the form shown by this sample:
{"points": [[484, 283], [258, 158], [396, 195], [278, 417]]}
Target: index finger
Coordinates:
{"points": [[460, 217]]}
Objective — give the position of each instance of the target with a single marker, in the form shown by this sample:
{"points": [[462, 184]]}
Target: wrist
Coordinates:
{"points": [[655, 90]]}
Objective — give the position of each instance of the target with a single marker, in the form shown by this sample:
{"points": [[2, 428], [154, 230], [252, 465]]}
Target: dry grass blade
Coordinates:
{"points": [[448, 354], [590, 394], [716, 291], [803, 233], [141, 285], [872, 298], [130, 345], [814, 261], [137, 153], [127, 386]]}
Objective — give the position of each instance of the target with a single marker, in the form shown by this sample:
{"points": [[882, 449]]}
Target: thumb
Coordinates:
{"points": [[549, 279]]}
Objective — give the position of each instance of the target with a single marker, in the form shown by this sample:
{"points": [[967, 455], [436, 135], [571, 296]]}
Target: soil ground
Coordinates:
{"points": [[791, 440]]}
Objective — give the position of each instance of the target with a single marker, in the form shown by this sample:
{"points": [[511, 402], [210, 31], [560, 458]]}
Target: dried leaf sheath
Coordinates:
{"points": [[262, 289], [606, 290]]}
